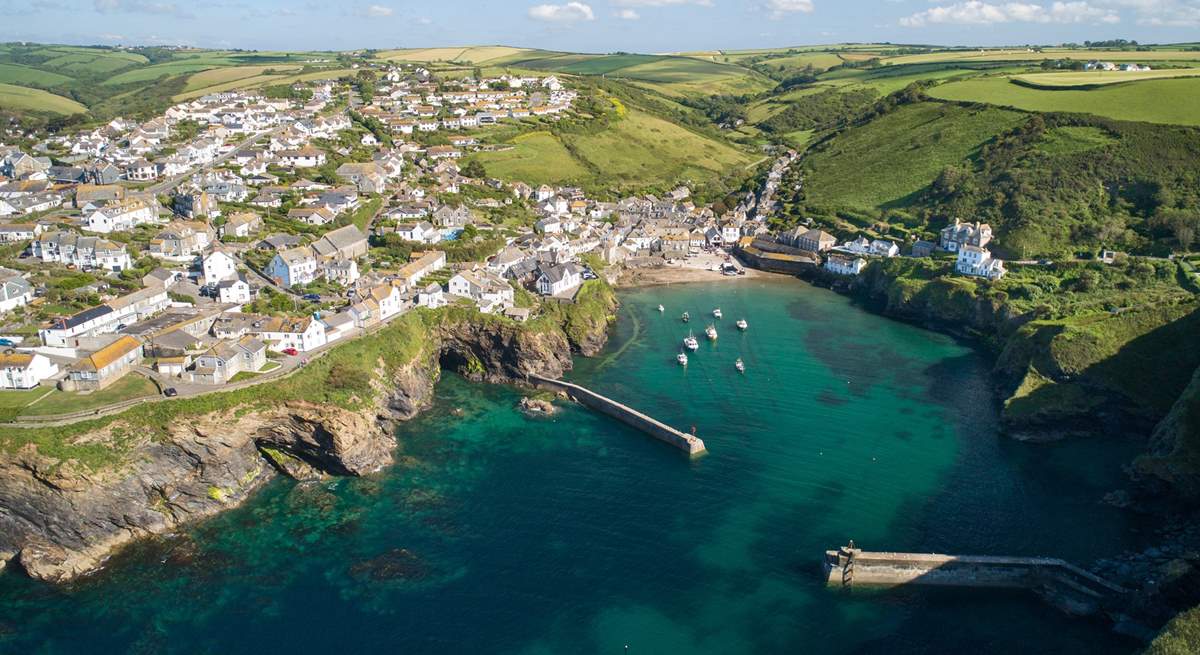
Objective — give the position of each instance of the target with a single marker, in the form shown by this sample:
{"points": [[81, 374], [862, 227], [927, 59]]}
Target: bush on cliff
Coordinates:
{"points": [[1180, 637]]}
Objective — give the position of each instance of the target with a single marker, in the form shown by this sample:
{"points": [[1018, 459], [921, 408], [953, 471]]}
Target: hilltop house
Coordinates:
{"points": [[978, 262], [489, 291], [559, 279], [281, 333], [959, 234], [843, 265]]}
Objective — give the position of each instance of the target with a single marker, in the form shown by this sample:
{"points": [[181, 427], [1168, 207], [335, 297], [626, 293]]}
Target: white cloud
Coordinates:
{"points": [[662, 3], [139, 7], [976, 12], [378, 11], [567, 13], [1163, 13], [781, 8], [628, 14]]}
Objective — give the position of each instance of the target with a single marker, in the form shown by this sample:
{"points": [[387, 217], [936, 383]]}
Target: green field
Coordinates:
{"points": [[1021, 54], [218, 76], [536, 158], [26, 99], [63, 402], [254, 81], [885, 162], [468, 54], [1153, 101], [181, 67], [17, 74], [687, 76], [637, 151], [1099, 78]]}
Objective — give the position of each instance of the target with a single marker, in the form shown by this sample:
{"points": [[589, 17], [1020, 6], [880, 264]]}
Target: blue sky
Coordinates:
{"points": [[592, 25]]}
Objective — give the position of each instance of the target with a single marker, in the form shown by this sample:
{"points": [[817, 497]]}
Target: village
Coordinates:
{"points": [[237, 236]]}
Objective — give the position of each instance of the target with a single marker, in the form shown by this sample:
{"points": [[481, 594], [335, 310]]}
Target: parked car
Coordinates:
{"points": [[7, 342], [291, 352], [312, 297], [170, 392]]}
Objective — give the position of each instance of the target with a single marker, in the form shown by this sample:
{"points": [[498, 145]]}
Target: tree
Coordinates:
{"points": [[475, 169]]}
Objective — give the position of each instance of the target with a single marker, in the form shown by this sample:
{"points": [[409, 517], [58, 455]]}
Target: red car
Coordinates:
{"points": [[291, 352]]}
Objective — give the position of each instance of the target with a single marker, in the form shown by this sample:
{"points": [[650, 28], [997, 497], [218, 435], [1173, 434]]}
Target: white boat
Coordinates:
{"points": [[741, 367], [717, 313], [661, 309], [690, 342], [686, 317], [742, 324], [681, 358], [711, 333]]}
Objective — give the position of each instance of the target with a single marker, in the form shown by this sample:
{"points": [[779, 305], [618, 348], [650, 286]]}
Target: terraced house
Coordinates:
{"points": [[84, 253], [121, 216]]}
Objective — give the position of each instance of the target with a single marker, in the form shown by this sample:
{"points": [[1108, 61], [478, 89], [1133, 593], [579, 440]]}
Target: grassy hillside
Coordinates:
{"points": [[1070, 79], [887, 162], [26, 99], [1171, 101], [634, 150]]}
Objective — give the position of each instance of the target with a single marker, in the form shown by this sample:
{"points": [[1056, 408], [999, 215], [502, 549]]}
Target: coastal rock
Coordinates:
{"points": [[537, 406], [64, 520], [1174, 457], [61, 519]]}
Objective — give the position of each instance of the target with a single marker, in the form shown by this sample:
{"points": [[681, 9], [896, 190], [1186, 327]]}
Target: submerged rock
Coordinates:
{"points": [[537, 406], [396, 564]]}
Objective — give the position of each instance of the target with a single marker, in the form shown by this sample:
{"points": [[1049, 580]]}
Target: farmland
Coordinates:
{"points": [[1099, 78], [27, 99], [635, 151], [1169, 101]]}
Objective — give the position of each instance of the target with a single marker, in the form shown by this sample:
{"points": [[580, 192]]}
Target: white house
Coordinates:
{"points": [[489, 291], [431, 296], [15, 291], [281, 333], [24, 370], [559, 279], [842, 265], [978, 262], [119, 217], [234, 290], [218, 265]]}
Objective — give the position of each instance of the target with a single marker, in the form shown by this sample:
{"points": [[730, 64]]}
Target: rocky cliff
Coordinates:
{"points": [[60, 517]]}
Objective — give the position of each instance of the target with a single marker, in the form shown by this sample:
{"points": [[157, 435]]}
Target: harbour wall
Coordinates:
{"points": [[1065, 585], [690, 444]]}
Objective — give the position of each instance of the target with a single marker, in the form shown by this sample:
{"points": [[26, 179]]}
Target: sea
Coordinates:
{"points": [[499, 532]]}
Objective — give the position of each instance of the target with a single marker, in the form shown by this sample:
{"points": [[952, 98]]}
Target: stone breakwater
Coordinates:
{"points": [[60, 519]]}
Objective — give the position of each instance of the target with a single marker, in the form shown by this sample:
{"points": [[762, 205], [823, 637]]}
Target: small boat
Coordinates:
{"points": [[742, 324], [717, 313], [690, 342], [661, 309], [681, 358], [686, 317], [711, 333], [741, 367]]}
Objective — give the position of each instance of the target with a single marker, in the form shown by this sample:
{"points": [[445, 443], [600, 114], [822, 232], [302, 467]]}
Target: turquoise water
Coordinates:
{"points": [[495, 532]]}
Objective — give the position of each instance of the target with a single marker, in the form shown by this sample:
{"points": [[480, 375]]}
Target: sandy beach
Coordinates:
{"points": [[698, 270]]}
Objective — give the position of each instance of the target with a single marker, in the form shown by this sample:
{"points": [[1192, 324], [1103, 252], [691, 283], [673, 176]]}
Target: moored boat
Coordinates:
{"points": [[717, 313], [661, 309], [741, 367], [690, 342], [681, 358], [742, 324], [686, 317], [711, 333]]}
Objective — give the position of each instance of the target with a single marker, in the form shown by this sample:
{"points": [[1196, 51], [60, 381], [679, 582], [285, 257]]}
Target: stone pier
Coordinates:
{"points": [[1065, 585], [688, 443]]}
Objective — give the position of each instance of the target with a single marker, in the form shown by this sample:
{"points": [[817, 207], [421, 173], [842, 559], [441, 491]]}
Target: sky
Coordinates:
{"points": [[649, 26]]}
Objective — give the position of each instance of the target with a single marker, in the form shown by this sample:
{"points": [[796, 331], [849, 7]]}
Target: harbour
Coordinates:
{"points": [[492, 522]]}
